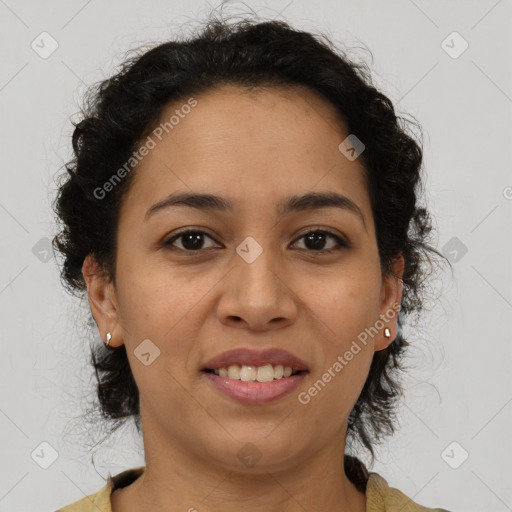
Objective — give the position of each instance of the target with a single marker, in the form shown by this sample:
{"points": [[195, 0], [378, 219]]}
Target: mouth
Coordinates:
{"points": [[253, 373], [254, 376], [253, 392], [248, 364]]}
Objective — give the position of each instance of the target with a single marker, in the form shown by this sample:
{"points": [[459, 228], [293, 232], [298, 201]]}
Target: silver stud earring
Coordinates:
{"points": [[387, 333], [109, 337]]}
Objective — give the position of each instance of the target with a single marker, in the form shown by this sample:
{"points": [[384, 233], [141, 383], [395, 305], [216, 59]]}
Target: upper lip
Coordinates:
{"points": [[254, 357]]}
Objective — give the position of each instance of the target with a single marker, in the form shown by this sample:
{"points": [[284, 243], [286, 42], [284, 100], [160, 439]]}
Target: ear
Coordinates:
{"points": [[102, 301], [390, 300]]}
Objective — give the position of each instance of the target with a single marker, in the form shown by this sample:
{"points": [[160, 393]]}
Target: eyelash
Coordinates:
{"points": [[341, 243]]}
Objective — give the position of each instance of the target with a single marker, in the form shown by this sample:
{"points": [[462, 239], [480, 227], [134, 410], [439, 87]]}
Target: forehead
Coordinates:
{"points": [[252, 144]]}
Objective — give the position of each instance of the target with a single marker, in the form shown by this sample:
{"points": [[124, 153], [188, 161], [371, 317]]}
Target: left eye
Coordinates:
{"points": [[316, 240], [192, 241]]}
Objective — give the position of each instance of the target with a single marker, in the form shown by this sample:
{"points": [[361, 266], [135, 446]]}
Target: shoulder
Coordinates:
{"points": [[100, 501], [93, 502], [382, 498]]}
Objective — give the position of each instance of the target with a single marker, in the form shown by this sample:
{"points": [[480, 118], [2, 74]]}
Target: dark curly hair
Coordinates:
{"points": [[123, 109]]}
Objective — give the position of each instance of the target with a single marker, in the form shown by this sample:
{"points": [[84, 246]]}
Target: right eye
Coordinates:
{"points": [[191, 241]]}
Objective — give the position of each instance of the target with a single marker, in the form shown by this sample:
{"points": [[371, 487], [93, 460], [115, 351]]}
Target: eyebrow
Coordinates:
{"points": [[296, 203]]}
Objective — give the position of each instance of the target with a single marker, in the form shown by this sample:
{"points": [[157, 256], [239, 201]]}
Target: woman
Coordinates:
{"points": [[242, 210]]}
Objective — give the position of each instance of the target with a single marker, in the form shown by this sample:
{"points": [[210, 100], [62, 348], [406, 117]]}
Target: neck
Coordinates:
{"points": [[176, 480]]}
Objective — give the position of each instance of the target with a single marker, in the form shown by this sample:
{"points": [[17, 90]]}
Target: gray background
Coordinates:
{"points": [[459, 389]]}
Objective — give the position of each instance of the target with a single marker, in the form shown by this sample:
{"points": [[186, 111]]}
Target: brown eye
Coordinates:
{"points": [[316, 241], [191, 240]]}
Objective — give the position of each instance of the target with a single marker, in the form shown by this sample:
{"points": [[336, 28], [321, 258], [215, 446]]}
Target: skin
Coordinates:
{"points": [[255, 148]]}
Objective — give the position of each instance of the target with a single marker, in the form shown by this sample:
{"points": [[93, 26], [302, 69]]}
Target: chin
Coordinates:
{"points": [[246, 453]]}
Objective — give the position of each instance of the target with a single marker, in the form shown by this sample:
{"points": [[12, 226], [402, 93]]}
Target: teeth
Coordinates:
{"points": [[264, 373], [234, 372], [248, 373], [278, 371]]}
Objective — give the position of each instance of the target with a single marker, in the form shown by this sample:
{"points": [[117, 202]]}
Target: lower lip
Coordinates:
{"points": [[256, 392]]}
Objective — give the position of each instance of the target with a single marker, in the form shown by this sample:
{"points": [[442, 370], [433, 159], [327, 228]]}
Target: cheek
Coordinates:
{"points": [[159, 305], [346, 355], [163, 305], [149, 294], [346, 305], [345, 309]]}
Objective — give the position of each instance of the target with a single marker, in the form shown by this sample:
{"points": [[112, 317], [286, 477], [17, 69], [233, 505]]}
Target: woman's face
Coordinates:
{"points": [[252, 279]]}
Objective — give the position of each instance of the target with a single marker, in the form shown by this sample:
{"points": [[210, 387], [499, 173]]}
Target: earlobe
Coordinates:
{"points": [[101, 298], [391, 299]]}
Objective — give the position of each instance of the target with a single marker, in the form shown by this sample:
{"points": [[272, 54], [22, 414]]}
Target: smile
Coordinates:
{"points": [[254, 392], [246, 373]]}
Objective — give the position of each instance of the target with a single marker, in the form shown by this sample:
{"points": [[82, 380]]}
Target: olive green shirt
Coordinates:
{"points": [[379, 496]]}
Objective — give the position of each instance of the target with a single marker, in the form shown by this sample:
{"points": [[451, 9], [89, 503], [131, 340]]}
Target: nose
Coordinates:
{"points": [[257, 296]]}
